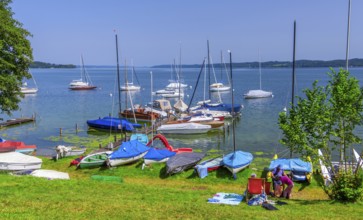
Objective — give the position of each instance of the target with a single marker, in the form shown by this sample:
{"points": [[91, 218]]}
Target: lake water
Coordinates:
{"points": [[55, 106]]}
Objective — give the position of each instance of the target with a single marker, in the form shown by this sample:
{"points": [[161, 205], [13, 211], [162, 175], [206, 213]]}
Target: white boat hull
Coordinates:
{"points": [[12, 161], [256, 94], [50, 174], [122, 161], [184, 128]]}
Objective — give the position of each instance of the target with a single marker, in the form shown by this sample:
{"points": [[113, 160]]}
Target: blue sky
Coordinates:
{"points": [[151, 32]]}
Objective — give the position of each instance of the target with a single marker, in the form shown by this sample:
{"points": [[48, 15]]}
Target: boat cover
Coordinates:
{"points": [[212, 164], [129, 149], [237, 159], [293, 164], [143, 138], [222, 107], [113, 123], [158, 154], [183, 161]]}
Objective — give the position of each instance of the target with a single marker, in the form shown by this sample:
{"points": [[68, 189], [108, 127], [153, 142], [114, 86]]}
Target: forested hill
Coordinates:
{"points": [[37, 64], [357, 62]]}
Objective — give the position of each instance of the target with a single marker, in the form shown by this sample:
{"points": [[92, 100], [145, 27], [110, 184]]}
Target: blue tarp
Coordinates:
{"points": [[113, 123], [237, 159], [158, 154], [293, 164], [222, 107], [129, 149]]}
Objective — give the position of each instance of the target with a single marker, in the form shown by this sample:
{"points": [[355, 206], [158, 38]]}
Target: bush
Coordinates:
{"points": [[347, 187]]}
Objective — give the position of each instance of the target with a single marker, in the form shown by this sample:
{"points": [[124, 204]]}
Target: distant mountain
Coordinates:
{"points": [[357, 62], [37, 64]]}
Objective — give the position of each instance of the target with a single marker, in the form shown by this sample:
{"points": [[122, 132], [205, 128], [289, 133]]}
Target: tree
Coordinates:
{"points": [[326, 119], [15, 58]]}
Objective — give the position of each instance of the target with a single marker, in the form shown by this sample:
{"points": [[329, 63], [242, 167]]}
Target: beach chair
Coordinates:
{"points": [[255, 186]]}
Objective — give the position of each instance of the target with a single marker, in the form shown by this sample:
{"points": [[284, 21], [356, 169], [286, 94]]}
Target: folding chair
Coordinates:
{"points": [[255, 186]]}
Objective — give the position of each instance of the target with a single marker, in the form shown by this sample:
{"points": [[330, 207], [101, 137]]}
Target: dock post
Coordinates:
{"points": [[60, 131], [76, 128], [100, 146]]}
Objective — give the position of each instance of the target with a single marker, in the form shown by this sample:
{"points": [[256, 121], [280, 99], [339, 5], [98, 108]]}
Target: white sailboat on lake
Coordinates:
{"points": [[84, 83], [258, 93], [29, 90]]}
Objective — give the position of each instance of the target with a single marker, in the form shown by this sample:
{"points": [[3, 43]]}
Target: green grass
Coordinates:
{"points": [[150, 194]]}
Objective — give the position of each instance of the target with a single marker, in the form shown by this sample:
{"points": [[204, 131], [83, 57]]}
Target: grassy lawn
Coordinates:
{"points": [[149, 194]]}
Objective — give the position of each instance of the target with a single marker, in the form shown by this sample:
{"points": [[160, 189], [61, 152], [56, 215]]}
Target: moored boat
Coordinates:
{"points": [[184, 128], [113, 124]]}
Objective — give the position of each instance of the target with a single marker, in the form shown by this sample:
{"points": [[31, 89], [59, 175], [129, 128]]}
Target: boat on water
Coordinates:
{"points": [[95, 159], [113, 124], [300, 170], [128, 152], [68, 151], [142, 114], [13, 161], [219, 87], [29, 90], [130, 86], [18, 146], [184, 128], [182, 161], [208, 165], [258, 93], [84, 83]]}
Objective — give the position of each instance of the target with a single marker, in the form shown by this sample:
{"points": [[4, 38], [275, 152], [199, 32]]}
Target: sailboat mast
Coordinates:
{"points": [[208, 70], [293, 67], [118, 77], [126, 85], [259, 66], [348, 32], [233, 115]]}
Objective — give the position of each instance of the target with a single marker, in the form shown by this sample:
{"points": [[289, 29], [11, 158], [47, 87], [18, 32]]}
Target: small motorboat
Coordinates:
{"points": [[64, 151]]}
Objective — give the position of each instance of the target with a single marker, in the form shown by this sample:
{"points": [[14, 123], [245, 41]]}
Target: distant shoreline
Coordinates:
{"points": [[356, 62]]}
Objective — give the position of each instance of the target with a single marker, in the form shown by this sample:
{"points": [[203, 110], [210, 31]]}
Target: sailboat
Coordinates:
{"points": [[237, 160], [29, 90], [129, 86], [84, 83], [219, 86], [258, 93]]}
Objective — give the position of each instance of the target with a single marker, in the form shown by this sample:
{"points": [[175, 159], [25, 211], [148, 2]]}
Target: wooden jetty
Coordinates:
{"points": [[16, 121]]}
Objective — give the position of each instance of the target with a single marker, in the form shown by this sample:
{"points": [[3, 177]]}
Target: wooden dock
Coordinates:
{"points": [[16, 121]]}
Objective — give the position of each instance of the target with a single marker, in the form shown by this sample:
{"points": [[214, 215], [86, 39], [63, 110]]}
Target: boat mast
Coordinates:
{"points": [[293, 67], [348, 31], [233, 115], [118, 78], [208, 71], [126, 85], [259, 66], [293, 74]]}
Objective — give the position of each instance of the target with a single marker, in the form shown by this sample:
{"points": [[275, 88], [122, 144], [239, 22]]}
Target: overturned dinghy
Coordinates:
{"points": [[183, 161], [50, 174], [12, 161]]}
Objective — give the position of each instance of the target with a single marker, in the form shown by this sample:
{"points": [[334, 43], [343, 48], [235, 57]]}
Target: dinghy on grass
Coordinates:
{"points": [[128, 152], [208, 165], [182, 161], [50, 174], [12, 161]]}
